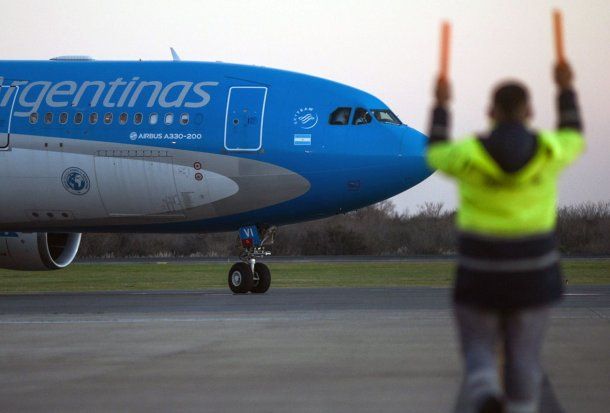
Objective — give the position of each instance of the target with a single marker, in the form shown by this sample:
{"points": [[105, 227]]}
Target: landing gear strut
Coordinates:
{"points": [[249, 275]]}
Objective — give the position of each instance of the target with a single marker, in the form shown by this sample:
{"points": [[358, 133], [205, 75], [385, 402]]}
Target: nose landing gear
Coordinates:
{"points": [[249, 275]]}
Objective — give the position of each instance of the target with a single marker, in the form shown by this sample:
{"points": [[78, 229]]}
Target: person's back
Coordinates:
{"points": [[508, 267]]}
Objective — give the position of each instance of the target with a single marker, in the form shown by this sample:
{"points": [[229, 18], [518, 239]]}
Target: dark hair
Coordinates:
{"points": [[509, 98]]}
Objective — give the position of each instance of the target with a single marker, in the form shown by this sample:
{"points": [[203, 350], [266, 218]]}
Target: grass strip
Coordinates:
{"points": [[177, 276]]}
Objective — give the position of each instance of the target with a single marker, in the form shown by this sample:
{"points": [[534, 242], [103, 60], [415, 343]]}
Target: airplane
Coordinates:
{"points": [[186, 147]]}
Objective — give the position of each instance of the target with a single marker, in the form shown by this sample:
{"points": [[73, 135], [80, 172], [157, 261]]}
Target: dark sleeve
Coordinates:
{"points": [[439, 126], [569, 113]]}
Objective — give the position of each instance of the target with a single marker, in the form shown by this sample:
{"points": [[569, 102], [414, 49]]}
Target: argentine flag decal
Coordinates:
{"points": [[302, 139]]}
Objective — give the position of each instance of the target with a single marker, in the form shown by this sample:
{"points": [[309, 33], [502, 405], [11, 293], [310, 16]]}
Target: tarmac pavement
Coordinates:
{"points": [[291, 350]]}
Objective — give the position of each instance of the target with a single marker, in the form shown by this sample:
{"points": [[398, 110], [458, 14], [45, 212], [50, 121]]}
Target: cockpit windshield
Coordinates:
{"points": [[386, 116]]}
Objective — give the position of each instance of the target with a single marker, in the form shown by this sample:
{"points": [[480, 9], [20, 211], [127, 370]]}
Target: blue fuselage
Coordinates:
{"points": [[191, 147]]}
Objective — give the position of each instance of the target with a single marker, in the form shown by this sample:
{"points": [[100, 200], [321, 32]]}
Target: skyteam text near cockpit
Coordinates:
{"points": [[105, 146]]}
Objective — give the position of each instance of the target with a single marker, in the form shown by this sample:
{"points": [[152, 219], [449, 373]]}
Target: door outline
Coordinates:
{"points": [[260, 138], [10, 118]]}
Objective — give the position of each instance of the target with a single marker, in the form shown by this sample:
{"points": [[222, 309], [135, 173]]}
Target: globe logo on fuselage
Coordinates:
{"points": [[76, 181], [305, 118]]}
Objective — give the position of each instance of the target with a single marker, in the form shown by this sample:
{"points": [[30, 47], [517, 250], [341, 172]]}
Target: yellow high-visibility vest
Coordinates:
{"points": [[498, 203]]}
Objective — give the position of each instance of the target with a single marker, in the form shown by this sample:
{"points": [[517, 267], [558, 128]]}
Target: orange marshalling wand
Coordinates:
{"points": [[445, 38], [558, 26]]}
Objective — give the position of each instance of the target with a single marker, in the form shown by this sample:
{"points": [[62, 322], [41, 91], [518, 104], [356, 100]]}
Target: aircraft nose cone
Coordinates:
{"points": [[414, 144]]}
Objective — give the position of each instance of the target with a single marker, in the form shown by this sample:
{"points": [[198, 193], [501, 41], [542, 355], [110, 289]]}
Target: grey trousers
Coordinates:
{"points": [[519, 334]]}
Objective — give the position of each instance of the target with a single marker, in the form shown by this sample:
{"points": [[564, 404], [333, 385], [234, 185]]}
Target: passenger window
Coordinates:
{"points": [[108, 118], [169, 118], [340, 116], [153, 119], [137, 118], [63, 118], [78, 118], [362, 117], [34, 118], [123, 118], [184, 119], [48, 117], [93, 118]]}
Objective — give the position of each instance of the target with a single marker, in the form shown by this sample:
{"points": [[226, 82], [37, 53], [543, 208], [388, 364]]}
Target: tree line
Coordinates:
{"points": [[582, 229]]}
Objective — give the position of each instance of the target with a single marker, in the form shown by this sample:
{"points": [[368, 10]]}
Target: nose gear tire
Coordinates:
{"points": [[240, 278], [264, 278]]}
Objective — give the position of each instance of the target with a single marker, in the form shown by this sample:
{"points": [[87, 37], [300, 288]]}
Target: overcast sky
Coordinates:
{"points": [[387, 48]]}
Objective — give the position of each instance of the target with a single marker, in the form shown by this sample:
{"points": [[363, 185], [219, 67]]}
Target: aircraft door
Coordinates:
{"points": [[244, 118], [8, 94]]}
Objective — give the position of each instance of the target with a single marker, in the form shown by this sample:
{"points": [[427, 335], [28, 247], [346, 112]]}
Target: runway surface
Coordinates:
{"points": [[291, 350]]}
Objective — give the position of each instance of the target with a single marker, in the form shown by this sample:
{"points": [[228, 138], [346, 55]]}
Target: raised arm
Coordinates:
{"points": [[567, 101], [441, 118]]}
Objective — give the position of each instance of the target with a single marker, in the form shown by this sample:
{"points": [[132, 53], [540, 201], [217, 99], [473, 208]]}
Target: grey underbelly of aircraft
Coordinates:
{"points": [[59, 183]]}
